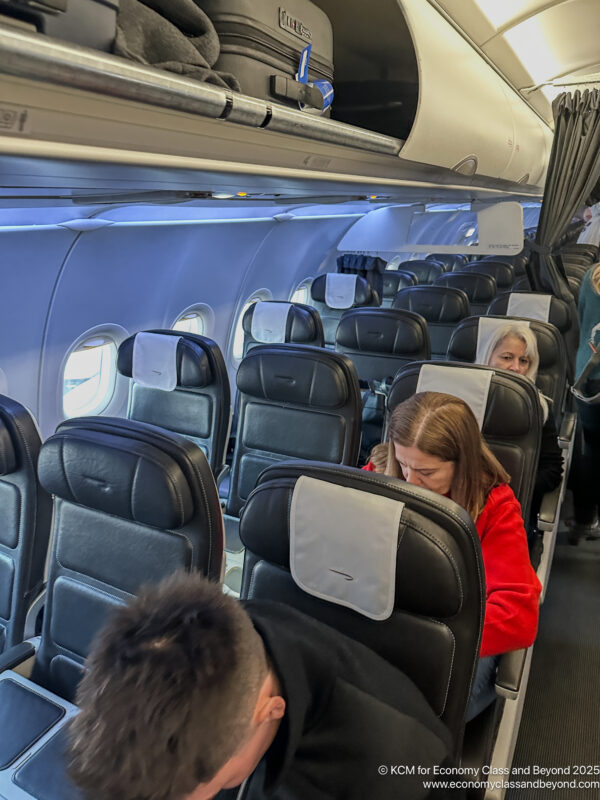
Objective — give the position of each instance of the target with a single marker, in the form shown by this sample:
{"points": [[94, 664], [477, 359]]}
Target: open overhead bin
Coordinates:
{"points": [[403, 69]]}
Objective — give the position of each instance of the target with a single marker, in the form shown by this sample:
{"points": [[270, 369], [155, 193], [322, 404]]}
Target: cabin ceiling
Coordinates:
{"points": [[541, 47]]}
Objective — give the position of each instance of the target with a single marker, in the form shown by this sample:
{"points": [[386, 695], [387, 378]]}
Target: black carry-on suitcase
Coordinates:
{"points": [[91, 23], [262, 42]]}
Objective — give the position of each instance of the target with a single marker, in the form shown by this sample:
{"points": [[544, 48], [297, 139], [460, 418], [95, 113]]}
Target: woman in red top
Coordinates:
{"points": [[435, 442]]}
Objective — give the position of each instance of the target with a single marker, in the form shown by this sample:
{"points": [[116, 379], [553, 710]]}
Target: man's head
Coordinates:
{"points": [[178, 699]]}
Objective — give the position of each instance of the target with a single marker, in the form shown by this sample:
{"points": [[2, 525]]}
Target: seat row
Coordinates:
{"points": [[133, 502]]}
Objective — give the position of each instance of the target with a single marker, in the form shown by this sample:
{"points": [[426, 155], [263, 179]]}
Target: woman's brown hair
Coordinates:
{"points": [[444, 426]]}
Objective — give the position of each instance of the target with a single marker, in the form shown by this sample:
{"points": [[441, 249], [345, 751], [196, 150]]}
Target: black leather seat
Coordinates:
{"points": [[393, 281], [199, 407], [552, 371], [26, 512], [480, 289], [381, 340], [503, 274], [450, 261], [512, 422], [295, 401], [558, 314], [364, 295], [133, 503], [433, 632], [516, 262], [443, 307], [302, 325], [426, 270]]}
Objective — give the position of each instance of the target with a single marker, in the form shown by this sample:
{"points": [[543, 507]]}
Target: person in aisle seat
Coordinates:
{"points": [[190, 693], [514, 347], [434, 442]]}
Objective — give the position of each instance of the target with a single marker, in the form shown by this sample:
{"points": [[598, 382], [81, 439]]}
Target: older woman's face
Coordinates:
{"points": [[509, 353]]}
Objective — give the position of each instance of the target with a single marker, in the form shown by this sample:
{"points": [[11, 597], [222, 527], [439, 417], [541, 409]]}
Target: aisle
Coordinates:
{"points": [[560, 727]]}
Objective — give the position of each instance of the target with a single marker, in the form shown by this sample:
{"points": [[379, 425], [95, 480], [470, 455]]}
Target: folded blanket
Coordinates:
{"points": [[175, 35]]}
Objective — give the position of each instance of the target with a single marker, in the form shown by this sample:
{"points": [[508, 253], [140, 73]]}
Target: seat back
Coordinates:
{"points": [[132, 504], [503, 274], [442, 306], [434, 628], [393, 281], [508, 407], [199, 405], [381, 340], [278, 322], [543, 307], [325, 299], [552, 371], [479, 288], [25, 513], [450, 261], [297, 402], [426, 270]]}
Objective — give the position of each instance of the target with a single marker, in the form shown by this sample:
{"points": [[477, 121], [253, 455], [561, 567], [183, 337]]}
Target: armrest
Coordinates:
{"points": [[510, 672], [549, 509], [16, 655], [567, 430]]}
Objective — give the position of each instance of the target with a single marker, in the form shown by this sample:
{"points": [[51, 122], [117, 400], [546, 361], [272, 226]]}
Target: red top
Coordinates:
{"points": [[512, 587]]}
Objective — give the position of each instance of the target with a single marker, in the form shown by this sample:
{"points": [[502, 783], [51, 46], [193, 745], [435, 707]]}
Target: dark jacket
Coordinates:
{"points": [[348, 713]]}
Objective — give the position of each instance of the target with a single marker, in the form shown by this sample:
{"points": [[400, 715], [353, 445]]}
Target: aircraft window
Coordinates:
{"points": [[191, 322], [89, 377], [302, 293], [238, 337]]}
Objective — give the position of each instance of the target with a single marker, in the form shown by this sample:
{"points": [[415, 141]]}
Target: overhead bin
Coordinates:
{"points": [[427, 84]]}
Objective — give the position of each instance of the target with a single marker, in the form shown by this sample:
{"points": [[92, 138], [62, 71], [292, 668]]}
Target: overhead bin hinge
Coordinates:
{"points": [[82, 225]]}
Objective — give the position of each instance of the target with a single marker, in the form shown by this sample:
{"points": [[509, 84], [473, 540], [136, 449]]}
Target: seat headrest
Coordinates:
{"points": [[512, 403], [470, 385], [435, 303], [363, 294], [117, 475], [328, 562], [504, 274], [192, 363], [426, 270], [8, 457], [383, 330], [479, 288], [436, 591], [296, 374], [532, 305], [301, 325], [394, 281]]}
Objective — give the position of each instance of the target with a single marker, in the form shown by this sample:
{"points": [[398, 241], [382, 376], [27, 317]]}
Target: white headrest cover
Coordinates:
{"points": [[340, 290], [486, 329], [155, 360], [471, 385], [269, 321], [534, 306], [343, 545]]}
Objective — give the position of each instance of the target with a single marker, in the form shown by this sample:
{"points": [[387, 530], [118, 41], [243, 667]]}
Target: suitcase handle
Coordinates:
{"points": [[294, 90]]}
